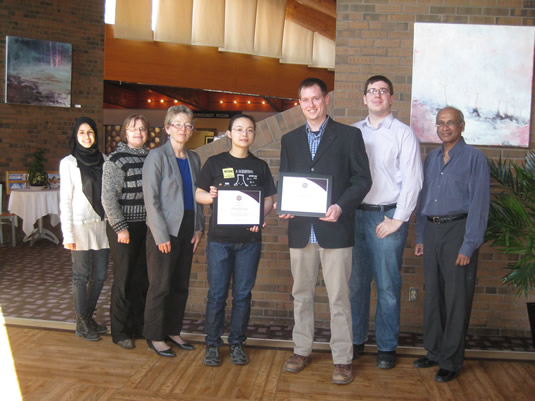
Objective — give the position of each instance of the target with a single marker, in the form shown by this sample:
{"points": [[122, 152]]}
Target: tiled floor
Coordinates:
{"points": [[35, 283]]}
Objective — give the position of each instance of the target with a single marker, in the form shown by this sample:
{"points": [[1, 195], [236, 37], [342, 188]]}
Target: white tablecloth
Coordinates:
{"points": [[30, 205]]}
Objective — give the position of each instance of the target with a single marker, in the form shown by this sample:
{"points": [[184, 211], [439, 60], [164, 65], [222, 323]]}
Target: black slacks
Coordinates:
{"points": [[130, 282], [168, 282], [449, 291]]}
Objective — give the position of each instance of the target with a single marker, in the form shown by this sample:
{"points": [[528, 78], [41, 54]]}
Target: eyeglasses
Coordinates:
{"points": [[178, 126], [240, 130], [382, 91], [134, 130], [450, 124]]}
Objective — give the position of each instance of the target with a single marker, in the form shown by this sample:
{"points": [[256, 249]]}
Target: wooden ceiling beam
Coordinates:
{"points": [[311, 19], [324, 6], [120, 97]]}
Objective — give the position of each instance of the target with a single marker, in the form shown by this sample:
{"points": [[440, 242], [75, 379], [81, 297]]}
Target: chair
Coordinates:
{"points": [[19, 180], [7, 219], [16, 180]]}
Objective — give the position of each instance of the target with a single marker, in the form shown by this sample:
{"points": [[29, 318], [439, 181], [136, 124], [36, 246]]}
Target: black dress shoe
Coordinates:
{"points": [[424, 362], [185, 346], [444, 376], [386, 359], [357, 350], [166, 352]]}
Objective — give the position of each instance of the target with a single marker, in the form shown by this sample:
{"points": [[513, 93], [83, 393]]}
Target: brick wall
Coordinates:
{"points": [[24, 128], [376, 37]]}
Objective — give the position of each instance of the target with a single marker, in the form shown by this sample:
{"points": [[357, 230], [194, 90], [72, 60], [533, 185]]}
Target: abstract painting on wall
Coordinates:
{"points": [[38, 72], [485, 71]]}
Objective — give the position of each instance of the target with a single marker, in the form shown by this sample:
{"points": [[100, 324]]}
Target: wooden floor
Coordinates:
{"points": [[55, 365]]}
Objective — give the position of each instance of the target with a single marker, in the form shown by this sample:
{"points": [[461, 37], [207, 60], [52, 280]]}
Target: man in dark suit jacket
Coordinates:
{"points": [[323, 146]]}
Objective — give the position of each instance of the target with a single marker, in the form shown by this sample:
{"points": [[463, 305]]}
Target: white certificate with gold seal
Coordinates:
{"points": [[239, 206], [304, 194]]}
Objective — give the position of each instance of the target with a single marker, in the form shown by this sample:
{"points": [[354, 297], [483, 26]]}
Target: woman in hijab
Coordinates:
{"points": [[83, 224]]}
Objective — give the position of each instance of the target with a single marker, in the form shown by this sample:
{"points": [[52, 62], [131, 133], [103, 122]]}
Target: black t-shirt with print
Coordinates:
{"points": [[226, 170]]}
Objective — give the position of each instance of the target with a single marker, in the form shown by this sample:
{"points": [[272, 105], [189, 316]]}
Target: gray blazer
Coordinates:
{"points": [[162, 191]]}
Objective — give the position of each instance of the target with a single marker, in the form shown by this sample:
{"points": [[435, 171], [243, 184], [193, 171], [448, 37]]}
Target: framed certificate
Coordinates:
{"points": [[239, 206], [304, 194]]}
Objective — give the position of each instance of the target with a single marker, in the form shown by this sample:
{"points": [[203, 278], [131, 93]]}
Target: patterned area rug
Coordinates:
{"points": [[35, 283]]}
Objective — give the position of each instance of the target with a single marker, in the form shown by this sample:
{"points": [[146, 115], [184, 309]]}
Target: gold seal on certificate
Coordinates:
{"points": [[304, 194], [239, 206]]}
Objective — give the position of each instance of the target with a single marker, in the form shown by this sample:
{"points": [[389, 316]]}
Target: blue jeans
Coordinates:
{"points": [[379, 259], [238, 261], [89, 270]]}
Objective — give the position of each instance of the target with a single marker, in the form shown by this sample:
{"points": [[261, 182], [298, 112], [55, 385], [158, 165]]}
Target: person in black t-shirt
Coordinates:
{"points": [[232, 252]]}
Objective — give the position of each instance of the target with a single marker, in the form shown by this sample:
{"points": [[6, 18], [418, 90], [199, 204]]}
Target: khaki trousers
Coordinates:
{"points": [[336, 267]]}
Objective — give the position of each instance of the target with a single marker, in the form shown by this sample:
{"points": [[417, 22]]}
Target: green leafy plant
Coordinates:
{"points": [[511, 227], [37, 175]]}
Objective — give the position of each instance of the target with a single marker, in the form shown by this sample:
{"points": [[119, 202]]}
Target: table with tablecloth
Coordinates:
{"points": [[31, 205]]}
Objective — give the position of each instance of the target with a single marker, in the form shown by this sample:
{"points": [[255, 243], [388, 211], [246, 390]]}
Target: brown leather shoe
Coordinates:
{"points": [[296, 363], [343, 374]]}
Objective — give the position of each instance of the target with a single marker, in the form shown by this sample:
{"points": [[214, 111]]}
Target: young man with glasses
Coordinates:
{"points": [[381, 221], [451, 222]]}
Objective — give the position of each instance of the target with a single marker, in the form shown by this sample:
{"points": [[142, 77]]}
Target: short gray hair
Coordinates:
{"points": [[174, 110], [460, 114]]}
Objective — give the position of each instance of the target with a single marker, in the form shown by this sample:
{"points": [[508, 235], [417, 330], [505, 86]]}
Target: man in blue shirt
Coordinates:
{"points": [[451, 223]]}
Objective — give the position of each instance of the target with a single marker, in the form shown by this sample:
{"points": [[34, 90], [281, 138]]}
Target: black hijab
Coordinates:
{"points": [[90, 162]]}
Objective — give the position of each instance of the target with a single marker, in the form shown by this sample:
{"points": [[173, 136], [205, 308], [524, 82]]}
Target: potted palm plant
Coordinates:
{"points": [[511, 227], [37, 175]]}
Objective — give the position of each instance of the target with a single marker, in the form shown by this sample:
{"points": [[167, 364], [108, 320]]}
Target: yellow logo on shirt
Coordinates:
{"points": [[228, 172]]}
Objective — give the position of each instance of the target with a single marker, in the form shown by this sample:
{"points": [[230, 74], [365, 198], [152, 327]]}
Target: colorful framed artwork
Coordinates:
{"points": [[486, 71], [38, 72]]}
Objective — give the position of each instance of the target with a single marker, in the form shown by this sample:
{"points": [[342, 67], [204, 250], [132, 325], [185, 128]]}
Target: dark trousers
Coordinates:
{"points": [[168, 282], [130, 282], [449, 290], [89, 270]]}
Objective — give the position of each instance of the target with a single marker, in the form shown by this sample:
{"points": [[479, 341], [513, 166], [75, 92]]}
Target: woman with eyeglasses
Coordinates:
{"points": [[83, 224], [175, 224], [232, 252], [122, 198]]}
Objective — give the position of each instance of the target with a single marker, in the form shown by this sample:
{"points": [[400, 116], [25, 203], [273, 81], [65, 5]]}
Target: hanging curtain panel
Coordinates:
{"points": [[323, 52], [173, 21], [208, 26], [269, 27], [296, 44], [133, 20], [240, 17]]}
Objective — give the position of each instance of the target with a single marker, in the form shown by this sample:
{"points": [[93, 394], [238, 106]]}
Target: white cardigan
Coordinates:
{"points": [[80, 224]]}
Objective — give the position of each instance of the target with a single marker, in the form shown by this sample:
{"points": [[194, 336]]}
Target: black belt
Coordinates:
{"points": [[376, 208], [446, 219]]}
